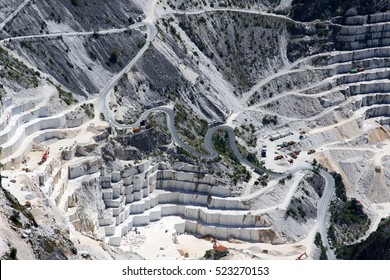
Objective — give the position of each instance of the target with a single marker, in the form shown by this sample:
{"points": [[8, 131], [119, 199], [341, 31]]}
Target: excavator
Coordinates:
{"points": [[299, 258], [44, 157], [219, 250]]}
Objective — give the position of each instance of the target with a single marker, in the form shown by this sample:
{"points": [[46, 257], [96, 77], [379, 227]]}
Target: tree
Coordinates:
{"points": [[13, 253], [114, 56], [317, 240], [75, 2]]}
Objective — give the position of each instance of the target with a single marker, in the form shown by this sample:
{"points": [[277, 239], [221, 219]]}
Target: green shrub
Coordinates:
{"points": [[268, 119], [75, 2], [114, 57], [13, 253]]}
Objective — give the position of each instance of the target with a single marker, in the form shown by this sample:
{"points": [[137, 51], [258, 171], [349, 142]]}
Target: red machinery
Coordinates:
{"points": [[44, 157], [301, 256]]}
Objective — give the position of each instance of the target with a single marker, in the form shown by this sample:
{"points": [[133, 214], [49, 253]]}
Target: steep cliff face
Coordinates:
{"points": [[14, 74], [25, 234], [56, 15], [83, 64], [243, 47], [154, 79], [7, 7]]}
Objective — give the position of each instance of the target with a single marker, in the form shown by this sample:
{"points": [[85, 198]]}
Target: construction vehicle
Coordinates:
{"points": [[44, 157], [353, 71], [278, 157], [299, 258], [361, 69], [219, 250], [136, 129], [293, 155], [286, 144]]}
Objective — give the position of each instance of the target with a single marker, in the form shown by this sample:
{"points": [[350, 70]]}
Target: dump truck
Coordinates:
{"points": [[136, 129]]}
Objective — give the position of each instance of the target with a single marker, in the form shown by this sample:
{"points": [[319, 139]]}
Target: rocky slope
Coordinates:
{"points": [[56, 16], [81, 63], [375, 247], [25, 236], [318, 69]]}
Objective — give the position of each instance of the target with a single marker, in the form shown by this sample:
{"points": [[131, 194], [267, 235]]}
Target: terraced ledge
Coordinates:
{"points": [[367, 19], [251, 229], [7, 112], [153, 192], [336, 73], [18, 142]]}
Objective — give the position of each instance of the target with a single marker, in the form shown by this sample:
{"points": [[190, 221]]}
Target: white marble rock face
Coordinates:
{"points": [[133, 202]]}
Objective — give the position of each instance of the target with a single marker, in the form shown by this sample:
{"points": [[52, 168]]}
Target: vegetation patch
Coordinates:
{"points": [[11, 255], [75, 2], [319, 244], [15, 71], [348, 220], [66, 96], [375, 247], [89, 110], [191, 128], [15, 217], [268, 119], [220, 141]]}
